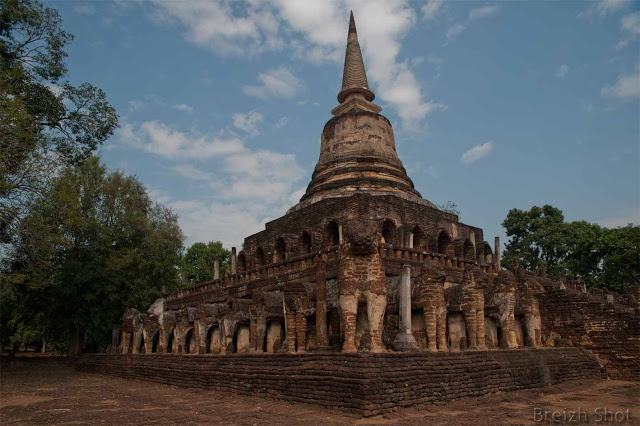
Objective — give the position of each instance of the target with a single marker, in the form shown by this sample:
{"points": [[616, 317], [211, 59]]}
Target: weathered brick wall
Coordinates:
{"points": [[364, 383], [610, 331], [314, 219]]}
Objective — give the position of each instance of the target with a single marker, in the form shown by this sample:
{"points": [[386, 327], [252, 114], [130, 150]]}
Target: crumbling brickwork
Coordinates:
{"points": [[609, 330], [365, 384]]}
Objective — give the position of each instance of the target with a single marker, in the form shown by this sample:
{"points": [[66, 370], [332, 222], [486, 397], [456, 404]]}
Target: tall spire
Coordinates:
{"points": [[354, 77]]}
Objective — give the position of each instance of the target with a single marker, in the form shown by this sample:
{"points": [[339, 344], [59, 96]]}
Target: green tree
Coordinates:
{"points": [[449, 207], [540, 238], [197, 262], [535, 238], [621, 268], [103, 247], [45, 122]]}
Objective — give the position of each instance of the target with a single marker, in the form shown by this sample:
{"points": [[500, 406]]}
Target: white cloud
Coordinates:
{"points": [[381, 27], [193, 173], [263, 165], [603, 8], [160, 139], [482, 12], [213, 220], [248, 122], [630, 26], [251, 188], [219, 26], [434, 60], [277, 83], [454, 31], [295, 196], [127, 135], [627, 86], [476, 153], [420, 167], [562, 71], [431, 9], [474, 14], [158, 195], [184, 108], [262, 176], [281, 122], [135, 104], [85, 9], [315, 31], [247, 186]]}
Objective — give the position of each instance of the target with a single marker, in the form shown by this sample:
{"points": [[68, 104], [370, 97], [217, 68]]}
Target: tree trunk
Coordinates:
{"points": [[75, 345]]}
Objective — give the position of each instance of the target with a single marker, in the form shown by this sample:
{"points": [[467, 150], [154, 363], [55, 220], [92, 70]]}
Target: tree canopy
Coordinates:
{"points": [[46, 123], [103, 247], [197, 263], [603, 257]]}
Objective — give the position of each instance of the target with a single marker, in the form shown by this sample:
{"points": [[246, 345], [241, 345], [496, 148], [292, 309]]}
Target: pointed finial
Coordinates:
{"points": [[354, 77], [352, 24]]}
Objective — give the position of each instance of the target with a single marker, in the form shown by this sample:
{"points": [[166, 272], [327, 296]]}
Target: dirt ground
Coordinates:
{"points": [[46, 393]]}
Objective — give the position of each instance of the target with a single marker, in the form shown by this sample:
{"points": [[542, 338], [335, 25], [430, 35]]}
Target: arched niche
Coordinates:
{"points": [[260, 256], [305, 243], [389, 232], [281, 250], [332, 234], [242, 263], [444, 243]]}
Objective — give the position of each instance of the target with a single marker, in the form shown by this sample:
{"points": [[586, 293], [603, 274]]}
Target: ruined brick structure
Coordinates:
{"points": [[364, 264]]}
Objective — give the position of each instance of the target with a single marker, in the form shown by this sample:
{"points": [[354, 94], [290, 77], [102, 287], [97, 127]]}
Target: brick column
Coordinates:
{"points": [[261, 332], [216, 268], [471, 326], [431, 328], [497, 253], [253, 330], [322, 339], [480, 329], [233, 260], [301, 331], [441, 318], [290, 318]]}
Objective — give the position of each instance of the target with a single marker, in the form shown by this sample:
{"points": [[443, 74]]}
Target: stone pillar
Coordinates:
{"points": [[482, 345], [116, 333], [441, 318], [480, 333], [253, 334], [409, 239], [216, 268], [497, 253], [137, 337], [233, 260], [200, 332], [404, 340], [290, 319], [507, 320], [349, 308], [261, 332], [340, 234], [126, 342], [227, 330], [301, 332], [322, 339], [431, 325], [470, 317]]}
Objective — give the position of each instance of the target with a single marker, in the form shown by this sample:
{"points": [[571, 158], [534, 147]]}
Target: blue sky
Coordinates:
{"points": [[495, 105]]}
